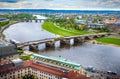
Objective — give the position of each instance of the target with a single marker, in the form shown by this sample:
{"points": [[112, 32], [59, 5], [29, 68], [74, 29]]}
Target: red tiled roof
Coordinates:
{"points": [[48, 69], [11, 68], [30, 63], [76, 75]]}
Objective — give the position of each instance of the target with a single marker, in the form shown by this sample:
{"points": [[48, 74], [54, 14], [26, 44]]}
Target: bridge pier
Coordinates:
{"points": [[33, 47], [78, 40], [27, 20], [30, 20], [40, 21], [88, 37], [50, 44], [106, 35], [97, 36], [36, 20], [65, 42]]}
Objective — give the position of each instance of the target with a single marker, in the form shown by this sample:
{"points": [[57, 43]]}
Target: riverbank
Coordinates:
{"points": [[2, 36], [50, 26], [111, 40], [3, 23]]}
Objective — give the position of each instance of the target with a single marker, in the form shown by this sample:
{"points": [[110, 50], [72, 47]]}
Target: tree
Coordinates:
{"points": [[29, 77], [3, 23]]}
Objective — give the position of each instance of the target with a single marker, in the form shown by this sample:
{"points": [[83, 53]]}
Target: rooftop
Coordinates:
{"points": [[6, 68], [52, 66], [60, 62], [4, 43], [58, 59], [117, 22], [16, 60]]}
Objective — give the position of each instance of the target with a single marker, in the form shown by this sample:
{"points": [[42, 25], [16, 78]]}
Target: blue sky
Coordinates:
{"points": [[60, 4]]}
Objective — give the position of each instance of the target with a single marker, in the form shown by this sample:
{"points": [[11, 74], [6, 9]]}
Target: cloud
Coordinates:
{"points": [[110, 4], [61, 4]]}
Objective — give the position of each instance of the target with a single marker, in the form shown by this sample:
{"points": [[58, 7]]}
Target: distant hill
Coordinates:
{"points": [[57, 11]]}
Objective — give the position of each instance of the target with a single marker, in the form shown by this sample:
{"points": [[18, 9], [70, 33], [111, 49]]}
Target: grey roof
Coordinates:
{"points": [[95, 24], [3, 44], [16, 60]]}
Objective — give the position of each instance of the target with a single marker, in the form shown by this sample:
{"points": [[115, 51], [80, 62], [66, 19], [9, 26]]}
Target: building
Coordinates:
{"points": [[102, 75], [81, 21], [44, 67], [109, 21], [114, 27], [79, 17], [11, 67], [7, 52], [57, 61], [95, 25], [90, 24], [39, 69], [117, 22]]}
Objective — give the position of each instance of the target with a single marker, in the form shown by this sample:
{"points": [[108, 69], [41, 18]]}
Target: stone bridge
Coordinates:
{"points": [[50, 42], [30, 20]]}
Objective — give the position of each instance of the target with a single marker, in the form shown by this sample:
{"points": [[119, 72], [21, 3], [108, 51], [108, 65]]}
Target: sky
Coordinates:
{"points": [[61, 4]]}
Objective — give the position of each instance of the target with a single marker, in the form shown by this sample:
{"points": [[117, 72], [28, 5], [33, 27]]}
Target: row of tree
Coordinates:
{"points": [[69, 23], [3, 23], [19, 16], [29, 77]]}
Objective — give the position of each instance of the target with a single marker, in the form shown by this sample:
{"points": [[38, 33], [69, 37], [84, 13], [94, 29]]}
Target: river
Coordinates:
{"points": [[24, 32], [102, 57]]}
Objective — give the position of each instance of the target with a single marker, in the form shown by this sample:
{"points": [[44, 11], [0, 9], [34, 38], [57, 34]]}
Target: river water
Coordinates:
{"points": [[102, 57], [24, 32]]}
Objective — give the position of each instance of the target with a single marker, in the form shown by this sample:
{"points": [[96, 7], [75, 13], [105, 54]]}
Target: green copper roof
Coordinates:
{"points": [[59, 61]]}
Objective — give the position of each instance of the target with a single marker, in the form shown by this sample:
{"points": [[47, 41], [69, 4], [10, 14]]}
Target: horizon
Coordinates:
{"points": [[62, 4], [64, 9]]}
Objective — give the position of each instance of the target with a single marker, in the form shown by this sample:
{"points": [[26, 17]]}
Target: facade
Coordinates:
{"points": [[117, 22], [7, 49], [114, 27], [109, 21], [39, 69], [7, 52]]}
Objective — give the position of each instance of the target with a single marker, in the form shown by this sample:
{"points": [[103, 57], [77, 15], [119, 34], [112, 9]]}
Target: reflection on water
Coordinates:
{"points": [[102, 57], [24, 32]]}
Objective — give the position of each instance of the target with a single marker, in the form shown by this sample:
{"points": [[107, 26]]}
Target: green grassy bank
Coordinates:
{"points": [[50, 26], [3, 23], [109, 40]]}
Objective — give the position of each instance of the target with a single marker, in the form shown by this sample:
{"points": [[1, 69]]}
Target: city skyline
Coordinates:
{"points": [[61, 4]]}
